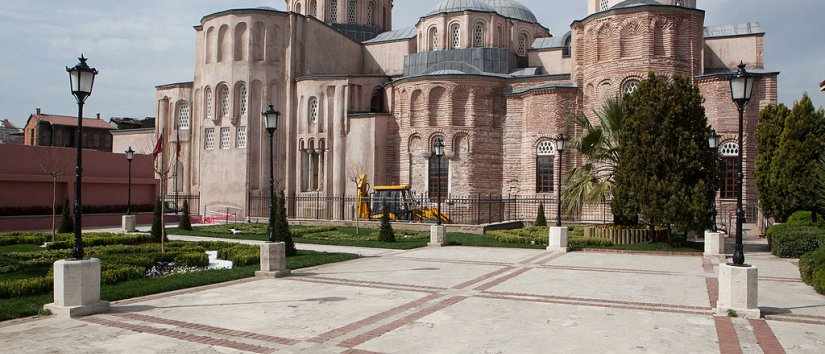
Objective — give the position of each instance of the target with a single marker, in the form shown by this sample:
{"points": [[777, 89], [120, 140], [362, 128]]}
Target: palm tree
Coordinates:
{"points": [[593, 182]]}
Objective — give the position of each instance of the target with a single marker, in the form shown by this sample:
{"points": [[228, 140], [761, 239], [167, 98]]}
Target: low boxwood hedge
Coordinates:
{"points": [[810, 263], [104, 240], [793, 241], [22, 287]]}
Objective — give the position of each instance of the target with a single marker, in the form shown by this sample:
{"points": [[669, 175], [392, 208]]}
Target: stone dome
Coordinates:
{"points": [[506, 8]]}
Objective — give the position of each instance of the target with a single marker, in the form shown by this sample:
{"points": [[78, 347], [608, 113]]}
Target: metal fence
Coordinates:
{"points": [[174, 203], [464, 210]]}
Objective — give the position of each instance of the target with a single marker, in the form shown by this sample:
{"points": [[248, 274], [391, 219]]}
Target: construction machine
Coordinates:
{"points": [[399, 202]]}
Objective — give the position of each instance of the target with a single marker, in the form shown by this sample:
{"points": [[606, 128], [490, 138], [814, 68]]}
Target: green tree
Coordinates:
{"points": [[66, 222], [665, 170], [541, 219], [768, 137], [593, 182], [386, 234], [280, 232], [185, 222], [157, 222], [795, 174]]}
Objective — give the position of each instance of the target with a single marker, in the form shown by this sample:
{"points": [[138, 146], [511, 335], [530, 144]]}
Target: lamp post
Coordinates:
{"points": [[560, 141], [271, 117], [130, 155], [713, 143], [438, 150], [741, 88], [81, 79]]}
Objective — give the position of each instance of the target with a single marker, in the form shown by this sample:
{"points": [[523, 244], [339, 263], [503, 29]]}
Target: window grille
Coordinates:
{"points": [[478, 35], [729, 149], [434, 38], [223, 101], [545, 148], [605, 4], [183, 116], [630, 86], [224, 138], [209, 105], [522, 44], [242, 100], [209, 139], [333, 11], [240, 139], [371, 13], [313, 110], [455, 36], [352, 16]]}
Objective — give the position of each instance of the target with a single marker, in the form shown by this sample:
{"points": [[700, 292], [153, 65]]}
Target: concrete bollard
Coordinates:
{"points": [[438, 236], [77, 289], [273, 261], [557, 239], [738, 291], [714, 243], [129, 223]]}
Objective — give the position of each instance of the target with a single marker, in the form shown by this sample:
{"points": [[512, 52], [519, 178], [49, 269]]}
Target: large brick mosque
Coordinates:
{"points": [[482, 76]]}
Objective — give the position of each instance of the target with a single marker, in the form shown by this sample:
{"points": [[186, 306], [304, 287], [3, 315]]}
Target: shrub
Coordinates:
{"points": [[792, 241], [199, 260], [22, 238], [157, 222], [185, 219], [386, 233], [66, 222], [241, 255], [803, 218], [22, 287], [117, 275], [541, 219], [530, 235], [810, 263], [92, 240], [819, 280]]}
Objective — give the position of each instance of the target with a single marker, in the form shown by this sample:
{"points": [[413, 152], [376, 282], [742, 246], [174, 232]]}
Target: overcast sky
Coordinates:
{"points": [[137, 45]]}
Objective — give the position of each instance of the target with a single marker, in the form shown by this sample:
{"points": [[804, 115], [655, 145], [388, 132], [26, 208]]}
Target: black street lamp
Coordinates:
{"points": [[560, 141], [741, 88], [271, 117], [130, 155], [82, 80], [713, 143], [438, 151]]}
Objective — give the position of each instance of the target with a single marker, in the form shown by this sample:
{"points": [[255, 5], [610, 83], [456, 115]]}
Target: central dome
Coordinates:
{"points": [[506, 8]]}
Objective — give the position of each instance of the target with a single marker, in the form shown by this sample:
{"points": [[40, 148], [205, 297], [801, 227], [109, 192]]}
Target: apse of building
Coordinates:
{"points": [[482, 76]]}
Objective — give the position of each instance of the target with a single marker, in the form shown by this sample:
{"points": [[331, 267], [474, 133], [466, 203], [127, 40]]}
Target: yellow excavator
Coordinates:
{"points": [[397, 200]]}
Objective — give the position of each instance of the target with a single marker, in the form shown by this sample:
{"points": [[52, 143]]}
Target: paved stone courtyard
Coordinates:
{"points": [[454, 300]]}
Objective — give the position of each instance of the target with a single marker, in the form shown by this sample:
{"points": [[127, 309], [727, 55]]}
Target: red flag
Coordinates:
{"points": [[158, 146]]}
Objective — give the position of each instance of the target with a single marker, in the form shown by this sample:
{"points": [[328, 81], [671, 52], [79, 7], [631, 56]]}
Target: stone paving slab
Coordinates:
{"points": [[474, 254], [800, 337], [672, 264]]}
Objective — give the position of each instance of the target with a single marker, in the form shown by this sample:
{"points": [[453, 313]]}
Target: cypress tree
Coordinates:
{"points": [[185, 222], [541, 220], [281, 231], [386, 234], [768, 137], [66, 222], [157, 222]]}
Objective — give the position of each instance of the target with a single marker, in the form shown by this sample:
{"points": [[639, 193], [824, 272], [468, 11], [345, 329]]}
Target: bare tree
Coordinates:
{"points": [[51, 165], [162, 169], [358, 176]]}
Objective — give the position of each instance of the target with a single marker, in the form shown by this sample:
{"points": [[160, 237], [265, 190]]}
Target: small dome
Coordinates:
{"points": [[461, 5], [512, 9]]}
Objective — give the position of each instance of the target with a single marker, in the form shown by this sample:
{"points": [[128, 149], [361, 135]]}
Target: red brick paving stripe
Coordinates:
{"points": [[781, 279], [614, 270], [582, 299], [454, 261], [596, 304], [533, 258], [782, 318], [207, 328], [358, 285], [728, 339], [766, 338], [184, 291], [712, 285], [180, 335], [553, 256], [644, 253], [378, 283], [502, 279], [389, 327], [340, 331], [482, 278], [359, 351], [801, 316]]}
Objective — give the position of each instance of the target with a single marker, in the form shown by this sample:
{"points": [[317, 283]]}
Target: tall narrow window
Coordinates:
{"points": [[225, 138], [545, 159], [209, 139], [183, 115], [433, 38], [455, 36], [478, 35], [522, 44], [242, 100], [604, 5], [333, 11], [729, 153], [298, 7], [352, 11], [223, 102], [313, 110], [439, 174], [240, 138], [500, 36], [209, 107], [312, 8], [371, 13]]}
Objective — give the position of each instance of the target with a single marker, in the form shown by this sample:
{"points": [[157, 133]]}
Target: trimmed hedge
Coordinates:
{"points": [[803, 218], [23, 287], [810, 263], [199, 260], [241, 255], [92, 241], [819, 280], [793, 241]]}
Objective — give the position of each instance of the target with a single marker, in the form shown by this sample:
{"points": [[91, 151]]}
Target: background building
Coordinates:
{"points": [[482, 76], [9, 134], [61, 131], [139, 134]]}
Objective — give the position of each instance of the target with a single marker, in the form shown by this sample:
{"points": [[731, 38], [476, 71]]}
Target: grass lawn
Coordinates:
{"points": [[25, 268]]}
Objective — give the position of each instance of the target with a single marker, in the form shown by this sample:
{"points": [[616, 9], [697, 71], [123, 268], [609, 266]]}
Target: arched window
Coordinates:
{"points": [[352, 11], [298, 7], [313, 110], [455, 36], [522, 44], [439, 174], [333, 11], [603, 5], [223, 102], [630, 86], [377, 102], [242, 100], [209, 105], [500, 36], [371, 13], [312, 9], [478, 35], [433, 38], [729, 153], [545, 160], [183, 115]]}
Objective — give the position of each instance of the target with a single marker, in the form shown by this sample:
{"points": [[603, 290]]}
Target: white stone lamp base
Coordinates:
{"points": [[273, 261], [438, 236], [77, 289], [738, 291], [714, 243], [557, 239], [129, 223]]}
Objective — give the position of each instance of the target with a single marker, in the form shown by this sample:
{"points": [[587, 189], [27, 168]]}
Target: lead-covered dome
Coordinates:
{"points": [[506, 8]]}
